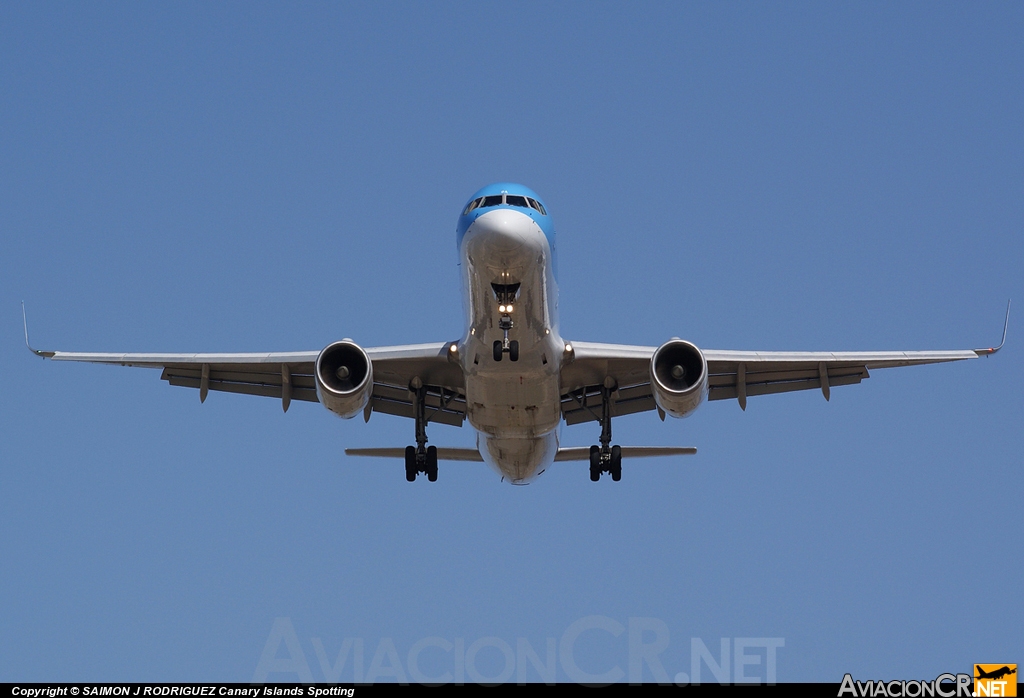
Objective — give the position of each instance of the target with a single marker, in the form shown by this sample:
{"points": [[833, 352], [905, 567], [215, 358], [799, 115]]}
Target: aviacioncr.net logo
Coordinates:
{"points": [[944, 686]]}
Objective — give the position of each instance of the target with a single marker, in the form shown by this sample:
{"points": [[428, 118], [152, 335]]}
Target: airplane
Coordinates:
{"points": [[996, 674], [511, 375]]}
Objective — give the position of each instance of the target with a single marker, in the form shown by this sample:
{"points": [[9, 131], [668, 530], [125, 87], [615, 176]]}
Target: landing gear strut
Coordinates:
{"points": [[420, 458], [606, 458], [506, 294]]}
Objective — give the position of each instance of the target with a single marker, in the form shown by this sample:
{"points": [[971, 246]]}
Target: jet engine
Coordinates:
{"points": [[344, 378], [679, 377]]}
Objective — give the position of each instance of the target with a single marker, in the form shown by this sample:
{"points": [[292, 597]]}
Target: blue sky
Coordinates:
{"points": [[262, 177]]}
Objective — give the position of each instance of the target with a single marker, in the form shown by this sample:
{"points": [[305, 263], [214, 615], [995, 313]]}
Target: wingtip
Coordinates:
{"points": [[1006, 324], [37, 352]]}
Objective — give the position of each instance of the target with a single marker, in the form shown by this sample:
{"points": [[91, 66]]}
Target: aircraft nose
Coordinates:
{"points": [[504, 229]]}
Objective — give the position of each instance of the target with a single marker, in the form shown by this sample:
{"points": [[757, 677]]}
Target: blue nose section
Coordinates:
{"points": [[506, 196]]}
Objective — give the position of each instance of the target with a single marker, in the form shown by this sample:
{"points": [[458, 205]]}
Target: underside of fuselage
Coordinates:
{"points": [[511, 353]]}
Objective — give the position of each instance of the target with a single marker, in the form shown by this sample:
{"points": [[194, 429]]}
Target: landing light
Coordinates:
{"points": [[508, 308], [501, 308]]}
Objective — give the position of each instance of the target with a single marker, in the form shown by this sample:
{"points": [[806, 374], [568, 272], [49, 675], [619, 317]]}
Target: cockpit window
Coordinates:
{"points": [[508, 199]]}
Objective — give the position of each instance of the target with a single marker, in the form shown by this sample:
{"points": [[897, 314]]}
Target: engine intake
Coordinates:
{"points": [[679, 377], [344, 378]]}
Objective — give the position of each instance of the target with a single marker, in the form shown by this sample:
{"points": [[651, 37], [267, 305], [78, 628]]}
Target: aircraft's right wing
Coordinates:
{"points": [[731, 374], [289, 376]]}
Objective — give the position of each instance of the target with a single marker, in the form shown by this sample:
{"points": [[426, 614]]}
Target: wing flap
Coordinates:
{"points": [[591, 362], [721, 374], [440, 404], [727, 392], [578, 453], [443, 453], [430, 362], [584, 404], [245, 383]]}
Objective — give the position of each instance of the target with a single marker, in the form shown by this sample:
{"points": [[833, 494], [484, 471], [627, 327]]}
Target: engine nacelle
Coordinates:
{"points": [[679, 377], [344, 378]]}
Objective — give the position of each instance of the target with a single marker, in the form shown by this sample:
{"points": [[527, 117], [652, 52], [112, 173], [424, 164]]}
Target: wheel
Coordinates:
{"points": [[513, 350], [410, 463], [616, 463], [432, 463], [595, 463], [497, 350]]}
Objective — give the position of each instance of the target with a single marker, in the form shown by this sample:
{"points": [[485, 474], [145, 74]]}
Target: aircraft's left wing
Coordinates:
{"points": [[731, 374]]}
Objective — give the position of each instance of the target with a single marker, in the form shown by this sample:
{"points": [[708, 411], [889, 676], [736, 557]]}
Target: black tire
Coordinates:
{"points": [[497, 350], [432, 463], [595, 463], [616, 463], [513, 350], [410, 463]]}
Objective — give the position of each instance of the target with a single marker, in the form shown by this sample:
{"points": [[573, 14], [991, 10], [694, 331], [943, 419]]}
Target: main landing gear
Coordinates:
{"points": [[606, 458], [420, 458]]}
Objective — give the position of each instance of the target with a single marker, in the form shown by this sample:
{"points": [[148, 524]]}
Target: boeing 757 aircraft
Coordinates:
{"points": [[511, 375]]}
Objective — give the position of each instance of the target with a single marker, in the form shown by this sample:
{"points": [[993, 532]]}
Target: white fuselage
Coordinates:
{"points": [[515, 406]]}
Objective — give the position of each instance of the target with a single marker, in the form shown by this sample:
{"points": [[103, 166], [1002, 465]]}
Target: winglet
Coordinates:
{"points": [[993, 350], [44, 354]]}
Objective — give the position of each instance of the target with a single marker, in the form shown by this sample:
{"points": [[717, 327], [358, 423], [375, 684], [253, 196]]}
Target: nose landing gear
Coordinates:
{"points": [[502, 346], [606, 458], [506, 294]]}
